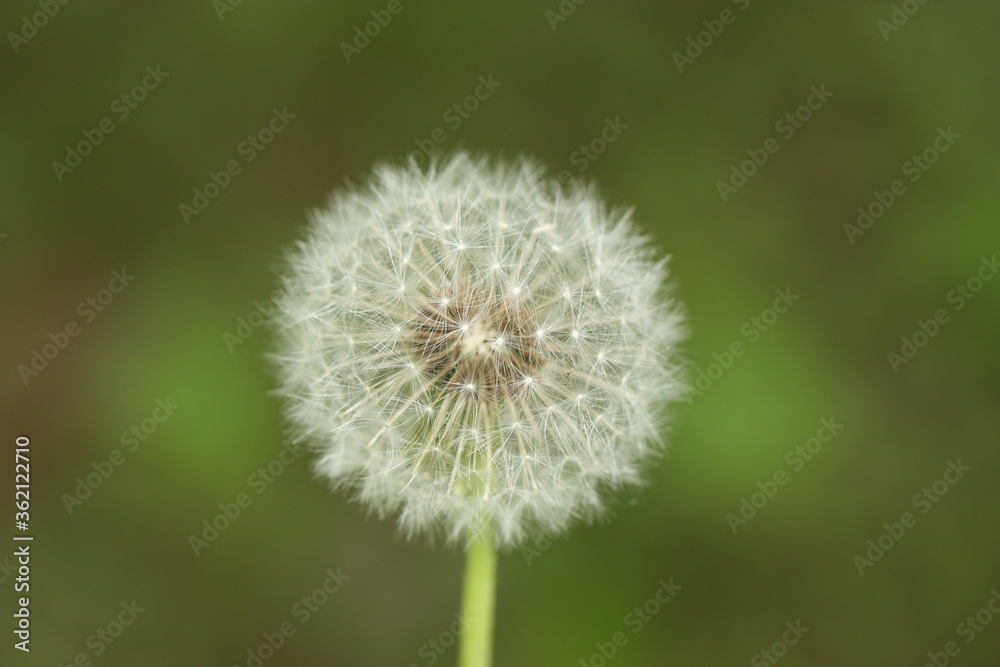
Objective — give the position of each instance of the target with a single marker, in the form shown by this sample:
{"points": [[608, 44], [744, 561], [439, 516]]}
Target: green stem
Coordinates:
{"points": [[477, 602]]}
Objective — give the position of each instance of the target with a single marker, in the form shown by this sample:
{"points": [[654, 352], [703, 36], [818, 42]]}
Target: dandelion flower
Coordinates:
{"points": [[476, 348]]}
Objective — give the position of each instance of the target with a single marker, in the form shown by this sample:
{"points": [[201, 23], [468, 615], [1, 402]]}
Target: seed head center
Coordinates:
{"points": [[476, 341], [470, 339]]}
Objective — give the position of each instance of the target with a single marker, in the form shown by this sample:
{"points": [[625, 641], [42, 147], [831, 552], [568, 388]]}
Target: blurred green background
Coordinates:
{"points": [[174, 332]]}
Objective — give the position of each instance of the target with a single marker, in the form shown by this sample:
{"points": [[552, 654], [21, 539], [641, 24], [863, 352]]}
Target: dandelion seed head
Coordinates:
{"points": [[472, 344]]}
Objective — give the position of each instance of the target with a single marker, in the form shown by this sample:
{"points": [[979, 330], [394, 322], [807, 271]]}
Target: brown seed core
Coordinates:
{"points": [[477, 343]]}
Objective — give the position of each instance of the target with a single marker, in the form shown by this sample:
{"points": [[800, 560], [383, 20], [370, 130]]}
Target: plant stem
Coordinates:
{"points": [[477, 602]]}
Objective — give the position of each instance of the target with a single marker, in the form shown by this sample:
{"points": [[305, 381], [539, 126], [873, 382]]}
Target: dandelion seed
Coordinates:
{"points": [[473, 346]]}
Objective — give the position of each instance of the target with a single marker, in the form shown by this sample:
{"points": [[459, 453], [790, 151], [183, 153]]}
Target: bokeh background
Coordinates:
{"points": [[169, 333]]}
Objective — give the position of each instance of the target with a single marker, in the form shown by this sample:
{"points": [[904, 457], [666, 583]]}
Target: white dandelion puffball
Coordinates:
{"points": [[475, 347]]}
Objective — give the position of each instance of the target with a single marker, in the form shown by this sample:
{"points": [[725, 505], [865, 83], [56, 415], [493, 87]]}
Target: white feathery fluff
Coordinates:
{"points": [[476, 347]]}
